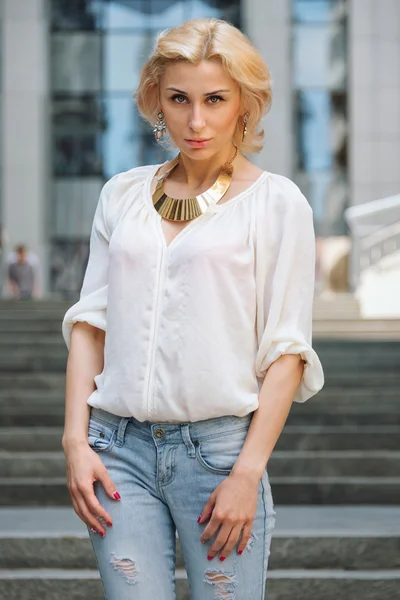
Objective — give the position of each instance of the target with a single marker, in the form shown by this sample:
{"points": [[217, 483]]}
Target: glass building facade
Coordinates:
{"points": [[97, 50], [319, 58]]}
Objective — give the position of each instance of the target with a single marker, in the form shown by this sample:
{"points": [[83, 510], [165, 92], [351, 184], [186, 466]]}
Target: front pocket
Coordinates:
{"points": [[101, 437], [218, 454]]}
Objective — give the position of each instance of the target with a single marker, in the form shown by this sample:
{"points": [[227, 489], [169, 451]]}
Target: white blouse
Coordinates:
{"points": [[192, 327]]}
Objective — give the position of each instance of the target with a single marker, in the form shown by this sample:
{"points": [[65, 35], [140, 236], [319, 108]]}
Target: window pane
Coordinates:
{"points": [[123, 127], [319, 55], [76, 62], [124, 55], [160, 14], [77, 136], [76, 14], [321, 130], [221, 9], [145, 14], [77, 155], [327, 192], [314, 140], [199, 8], [68, 260], [321, 157], [319, 11], [75, 202]]}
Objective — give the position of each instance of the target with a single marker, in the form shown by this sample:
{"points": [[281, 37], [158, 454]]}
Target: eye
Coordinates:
{"points": [[178, 98], [215, 99]]}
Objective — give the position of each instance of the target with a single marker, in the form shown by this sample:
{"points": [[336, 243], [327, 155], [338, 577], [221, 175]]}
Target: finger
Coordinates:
{"points": [[93, 504], [89, 518], [207, 510], [246, 534], [106, 481], [79, 508], [211, 528], [230, 542], [221, 539]]}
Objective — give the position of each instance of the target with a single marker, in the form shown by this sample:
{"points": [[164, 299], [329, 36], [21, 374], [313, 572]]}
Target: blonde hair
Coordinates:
{"points": [[211, 39]]}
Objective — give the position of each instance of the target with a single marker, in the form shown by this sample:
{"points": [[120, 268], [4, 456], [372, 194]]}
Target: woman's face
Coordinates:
{"points": [[201, 105]]}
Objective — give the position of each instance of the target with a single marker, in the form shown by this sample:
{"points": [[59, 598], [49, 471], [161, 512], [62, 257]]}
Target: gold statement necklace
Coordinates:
{"points": [[178, 209]]}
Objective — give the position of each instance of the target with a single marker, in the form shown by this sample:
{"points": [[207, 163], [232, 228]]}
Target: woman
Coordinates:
{"points": [[201, 270]]}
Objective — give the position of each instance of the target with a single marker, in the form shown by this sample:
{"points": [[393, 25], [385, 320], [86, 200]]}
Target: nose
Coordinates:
{"points": [[196, 121]]}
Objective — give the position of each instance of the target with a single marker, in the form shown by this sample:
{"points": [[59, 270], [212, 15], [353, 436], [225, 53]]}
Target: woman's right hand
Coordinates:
{"points": [[84, 467]]}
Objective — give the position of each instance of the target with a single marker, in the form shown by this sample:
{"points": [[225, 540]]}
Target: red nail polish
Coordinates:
{"points": [[116, 496], [109, 523], [101, 533], [222, 557], [240, 551], [198, 520], [210, 557]]}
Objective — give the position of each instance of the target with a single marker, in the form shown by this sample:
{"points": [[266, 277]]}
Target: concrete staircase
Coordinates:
{"points": [[335, 472], [318, 553]]}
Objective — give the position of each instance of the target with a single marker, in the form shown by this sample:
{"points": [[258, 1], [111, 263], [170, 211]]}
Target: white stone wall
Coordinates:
{"points": [[25, 115], [374, 96]]}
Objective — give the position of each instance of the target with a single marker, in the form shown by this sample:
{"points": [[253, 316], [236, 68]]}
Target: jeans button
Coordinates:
{"points": [[159, 433]]}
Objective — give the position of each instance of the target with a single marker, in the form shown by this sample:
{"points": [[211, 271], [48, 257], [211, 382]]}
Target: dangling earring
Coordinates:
{"points": [[160, 127], [245, 125]]}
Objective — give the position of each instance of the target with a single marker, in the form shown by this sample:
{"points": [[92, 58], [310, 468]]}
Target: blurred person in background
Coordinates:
{"points": [[21, 274], [192, 334]]}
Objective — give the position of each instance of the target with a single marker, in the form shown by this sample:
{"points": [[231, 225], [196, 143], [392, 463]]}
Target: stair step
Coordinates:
{"points": [[53, 416], [294, 437], [33, 381], [344, 437], [19, 340], [18, 364], [42, 315], [287, 552], [281, 464], [9, 304], [352, 538], [281, 584], [30, 326], [356, 330], [374, 353], [47, 491], [338, 418], [332, 398]]}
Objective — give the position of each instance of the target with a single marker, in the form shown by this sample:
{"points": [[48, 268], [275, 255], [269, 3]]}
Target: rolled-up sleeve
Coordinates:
{"points": [[285, 263], [92, 304]]}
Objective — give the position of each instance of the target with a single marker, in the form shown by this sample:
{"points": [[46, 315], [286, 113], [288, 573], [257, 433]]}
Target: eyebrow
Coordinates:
{"points": [[207, 94]]}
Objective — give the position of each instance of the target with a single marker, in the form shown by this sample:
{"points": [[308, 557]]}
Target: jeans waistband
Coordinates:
{"points": [[205, 427]]}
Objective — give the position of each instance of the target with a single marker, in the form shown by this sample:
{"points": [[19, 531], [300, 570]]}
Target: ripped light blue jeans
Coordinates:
{"points": [[165, 473]]}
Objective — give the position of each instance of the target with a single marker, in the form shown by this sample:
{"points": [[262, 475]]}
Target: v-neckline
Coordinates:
{"points": [[210, 210], [180, 233]]}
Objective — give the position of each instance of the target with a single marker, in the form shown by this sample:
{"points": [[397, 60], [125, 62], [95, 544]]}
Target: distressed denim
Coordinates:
{"points": [[165, 473]]}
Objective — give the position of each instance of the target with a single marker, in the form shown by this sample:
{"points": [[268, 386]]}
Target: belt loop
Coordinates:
{"points": [[121, 430], [187, 440]]}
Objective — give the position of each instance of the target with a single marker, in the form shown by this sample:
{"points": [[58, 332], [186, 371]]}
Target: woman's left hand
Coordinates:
{"points": [[233, 506]]}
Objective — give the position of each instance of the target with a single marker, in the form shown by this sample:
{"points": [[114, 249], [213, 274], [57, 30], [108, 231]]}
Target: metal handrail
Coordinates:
{"points": [[375, 229]]}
